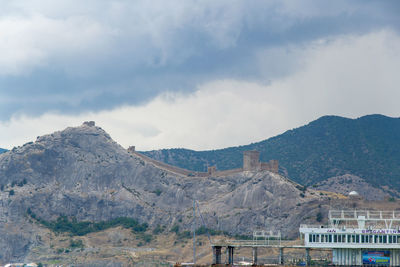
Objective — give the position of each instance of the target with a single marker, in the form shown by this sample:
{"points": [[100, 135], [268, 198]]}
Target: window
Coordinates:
{"points": [[380, 239], [309, 237], [335, 238], [363, 239], [385, 239], [344, 238], [357, 238], [315, 238], [375, 239], [390, 239], [330, 238]]}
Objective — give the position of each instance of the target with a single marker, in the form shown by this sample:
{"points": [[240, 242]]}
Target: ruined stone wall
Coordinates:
{"points": [[272, 166], [251, 162], [228, 172], [211, 170], [162, 165]]}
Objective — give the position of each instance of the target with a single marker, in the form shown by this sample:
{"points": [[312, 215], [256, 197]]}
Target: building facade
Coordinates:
{"points": [[369, 238]]}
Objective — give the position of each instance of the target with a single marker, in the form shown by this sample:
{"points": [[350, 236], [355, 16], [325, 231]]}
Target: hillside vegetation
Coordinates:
{"points": [[368, 147]]}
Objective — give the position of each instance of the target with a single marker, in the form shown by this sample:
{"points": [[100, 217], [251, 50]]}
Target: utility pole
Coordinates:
{"points": [[194, 231]]}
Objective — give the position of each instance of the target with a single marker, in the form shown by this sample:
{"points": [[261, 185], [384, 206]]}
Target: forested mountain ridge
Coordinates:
{"points": [[368, 147], [2, 150]]}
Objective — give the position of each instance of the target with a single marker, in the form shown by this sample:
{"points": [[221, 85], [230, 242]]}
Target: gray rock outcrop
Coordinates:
{"points": [[82, 172]]}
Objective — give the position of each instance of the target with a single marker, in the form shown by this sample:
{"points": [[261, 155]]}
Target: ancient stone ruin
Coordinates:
{"points": [[89, 123], [251, 162]]}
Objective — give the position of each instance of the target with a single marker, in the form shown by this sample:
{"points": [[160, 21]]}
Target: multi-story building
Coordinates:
{"points": [[358, 237]]}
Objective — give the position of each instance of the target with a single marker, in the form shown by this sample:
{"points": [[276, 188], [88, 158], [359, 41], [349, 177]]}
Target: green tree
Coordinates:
{"points": [[175, 229], [319, 216]]}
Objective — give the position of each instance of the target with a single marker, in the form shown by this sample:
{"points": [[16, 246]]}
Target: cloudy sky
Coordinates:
{"points": [[197, 74]]}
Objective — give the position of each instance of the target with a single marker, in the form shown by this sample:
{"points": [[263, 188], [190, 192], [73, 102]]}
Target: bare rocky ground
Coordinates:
{"points": [[344, 184], [115, 247], [82, 172]]}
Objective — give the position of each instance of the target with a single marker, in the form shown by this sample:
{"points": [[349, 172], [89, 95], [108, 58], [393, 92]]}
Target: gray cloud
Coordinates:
{"points": [[74, 56]]}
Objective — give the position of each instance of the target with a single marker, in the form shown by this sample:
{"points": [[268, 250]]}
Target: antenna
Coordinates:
{"points": [[194, 228], [204, 224], [194, 231]]}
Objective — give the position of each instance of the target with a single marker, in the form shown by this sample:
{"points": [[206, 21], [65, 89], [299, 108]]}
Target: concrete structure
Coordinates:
{"points": [[356, 238], [354, 195], [255, 244]]}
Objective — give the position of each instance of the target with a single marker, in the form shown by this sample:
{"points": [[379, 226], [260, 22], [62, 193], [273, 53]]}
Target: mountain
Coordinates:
{"points": [[367, 147], [79, 179], [2, 150], [347, 183]]}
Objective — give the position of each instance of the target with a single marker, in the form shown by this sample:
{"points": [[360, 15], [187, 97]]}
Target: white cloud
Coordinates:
{"points": [[67, 34], [349, 76], [35, 41]]}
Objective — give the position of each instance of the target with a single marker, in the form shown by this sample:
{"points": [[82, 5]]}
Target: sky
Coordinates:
{"points": [[197, 74]]}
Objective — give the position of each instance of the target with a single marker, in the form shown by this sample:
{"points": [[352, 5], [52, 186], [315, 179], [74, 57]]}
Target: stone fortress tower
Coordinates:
{"points": [[251, 162]]}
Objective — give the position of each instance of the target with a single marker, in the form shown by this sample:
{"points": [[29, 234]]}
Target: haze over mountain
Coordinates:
{"points": [[368, 147]]}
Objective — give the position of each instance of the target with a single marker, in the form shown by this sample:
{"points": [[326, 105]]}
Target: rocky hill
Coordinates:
{"points": [[367, 147], [344, 184], [81, 173]]}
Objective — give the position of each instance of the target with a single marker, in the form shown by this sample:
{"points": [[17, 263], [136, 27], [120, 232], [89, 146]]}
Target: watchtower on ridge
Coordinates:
{"points": [[251, 162]]}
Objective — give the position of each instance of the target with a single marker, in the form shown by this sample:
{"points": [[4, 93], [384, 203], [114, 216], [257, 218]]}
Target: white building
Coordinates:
{"points": [[358, 237]]}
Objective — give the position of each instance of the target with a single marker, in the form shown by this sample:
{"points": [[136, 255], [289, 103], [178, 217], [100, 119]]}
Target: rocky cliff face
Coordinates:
{"points": [[82, 172]]}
